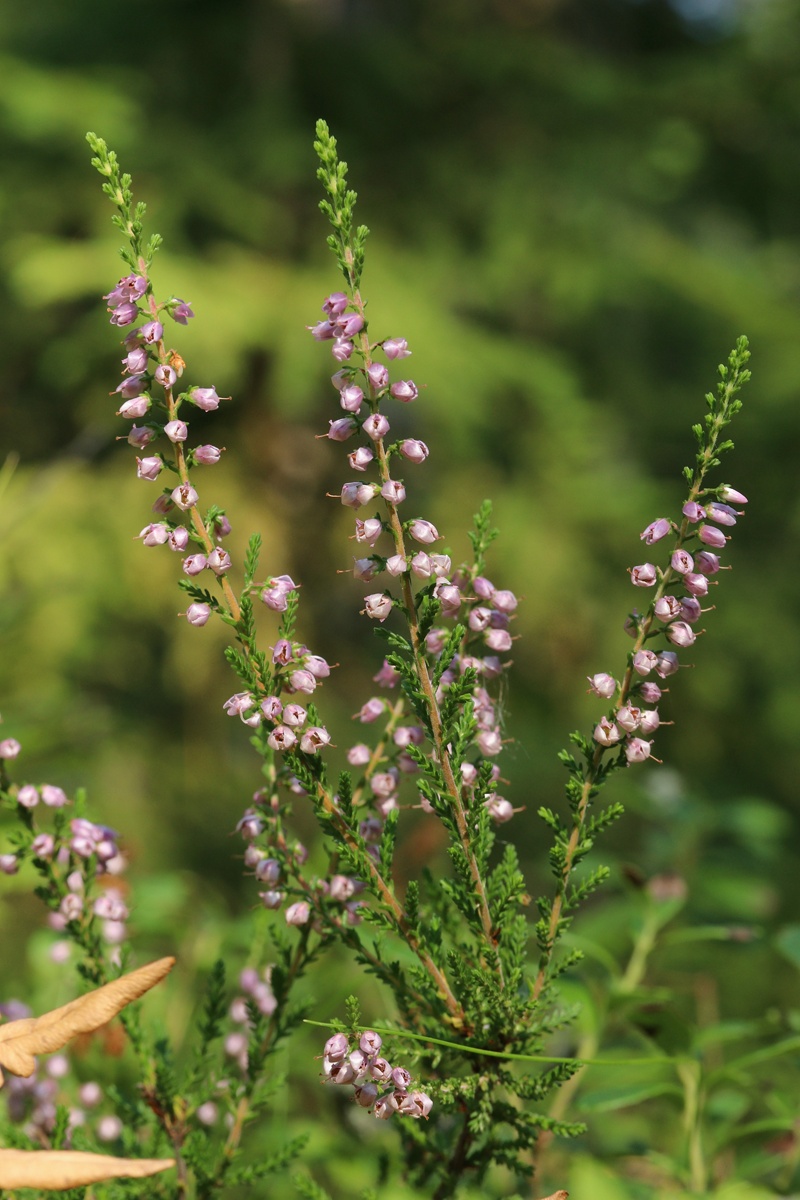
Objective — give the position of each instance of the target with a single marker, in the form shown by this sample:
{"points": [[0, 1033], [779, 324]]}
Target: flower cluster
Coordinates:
{"points": [[32, 1102], [80, 859], [676, 607], [377, 1085], [148, 393], [464, 596]]}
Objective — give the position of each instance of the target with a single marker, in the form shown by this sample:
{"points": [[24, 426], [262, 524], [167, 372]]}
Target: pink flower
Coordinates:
{"points": [[184, 496], [198, 614], [606, 732], [712, 536], [378, 606], [656, 531], [298, 913], [396, 348], [602, 684], [404, 390], [644, 575], [176, 431], [637, 750], [423, 531]]}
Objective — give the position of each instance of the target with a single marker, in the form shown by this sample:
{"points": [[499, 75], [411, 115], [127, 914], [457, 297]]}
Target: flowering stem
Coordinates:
{"points": [[420, 661]]}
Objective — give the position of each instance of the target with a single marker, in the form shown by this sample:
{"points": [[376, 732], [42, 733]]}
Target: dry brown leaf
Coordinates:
{"points": [[557, 1196], [57, 1170], [21, 1040]]}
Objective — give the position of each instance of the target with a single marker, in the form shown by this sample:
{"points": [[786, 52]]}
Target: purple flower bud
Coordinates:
{"points": [[606, 732], [712, 536], [695, 583], [504, 600], [207, 456], [401, 1078], [423, 531], [366, 1095], [644, 575], [182, 312], [706, 562], [135, 361], [131, 387], [298, 914], [140, 436], [351, 398], [404, 390], [149, 468], [359, 755], [376, 426], [681, 634], [364, 569], [650, 692], [43, 846], [335, 304], [393, 491], [650, 721], [204, 398], [377, 375], [28, 796], [176, 431], [397, 564], [396, 348], [9, 748], [135, 408], [152, 332], [655, 531], [490, 742], [337, 1048], [723, 514], [360, 459], [348, 326], [71, 906], [268, 870], [731, 495], [693, 512], [53, 797], [124, 314], [667, 663], [354, 495], [302, 680], [198, 614], [184, 496], [317, 665], [637, 750], [282, 652], [178, 539], [415, 451], [603, 685], [165, 375], [194, 564], [341, 889], [382, 1110], [682, 562], [377, 606], [499, 809], [371, 710], [323, 331], [9, 864], [154, 535], [690, 609], [271, 899], [342, 349], [498, 640], [341, 430], [644, 661]]}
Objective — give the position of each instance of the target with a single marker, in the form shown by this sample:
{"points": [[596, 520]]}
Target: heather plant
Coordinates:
{"points": [[474, 1058]]}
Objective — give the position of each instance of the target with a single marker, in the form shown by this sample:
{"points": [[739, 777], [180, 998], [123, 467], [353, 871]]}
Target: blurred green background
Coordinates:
{"points": [[576, 206]]}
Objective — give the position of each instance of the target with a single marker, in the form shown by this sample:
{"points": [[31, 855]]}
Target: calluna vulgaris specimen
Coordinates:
{"points": [[431, 741]]}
